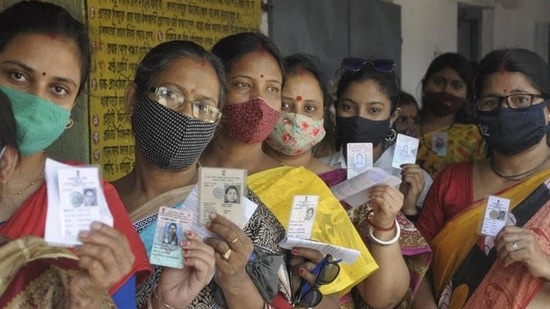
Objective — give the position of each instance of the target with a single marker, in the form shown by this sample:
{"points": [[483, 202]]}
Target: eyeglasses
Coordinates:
{"points": [[513, 101], [325, 271], [356, 64], [174, 101]]}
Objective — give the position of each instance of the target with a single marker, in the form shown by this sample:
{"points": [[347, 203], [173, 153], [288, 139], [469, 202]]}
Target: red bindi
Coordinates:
{"points": [[301, 72], [502, 68], [299, 98], [193, 90]]}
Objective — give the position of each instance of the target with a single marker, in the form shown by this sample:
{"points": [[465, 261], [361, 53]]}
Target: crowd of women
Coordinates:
{"points": [[482, 132]]}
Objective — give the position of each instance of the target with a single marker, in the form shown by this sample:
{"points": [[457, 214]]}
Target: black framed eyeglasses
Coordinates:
{"points": [[325, 271], [513, 101]]}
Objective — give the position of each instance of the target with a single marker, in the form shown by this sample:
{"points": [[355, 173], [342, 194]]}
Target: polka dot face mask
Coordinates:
{"points": [[170, 140]]}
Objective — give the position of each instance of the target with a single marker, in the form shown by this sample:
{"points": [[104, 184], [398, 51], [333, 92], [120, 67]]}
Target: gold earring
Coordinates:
{"points": [[69, 124]]}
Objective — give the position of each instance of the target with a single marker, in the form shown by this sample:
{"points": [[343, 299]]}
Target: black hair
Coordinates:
{"points": [[8, 126], [462, 66], [387, 81], [232, 48], [160, 57], [231, 187], [523, 61], [407, 98], [36, 17]]}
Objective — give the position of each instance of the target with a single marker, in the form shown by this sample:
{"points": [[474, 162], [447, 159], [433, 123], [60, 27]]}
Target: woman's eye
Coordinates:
{"points": [[18, 76], [310, 108], [273, 89], [285, 106], [58, 90], [348, 107], [375, 110]]}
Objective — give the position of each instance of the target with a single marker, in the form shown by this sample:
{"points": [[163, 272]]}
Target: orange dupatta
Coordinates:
{"points": [[451, 247]]}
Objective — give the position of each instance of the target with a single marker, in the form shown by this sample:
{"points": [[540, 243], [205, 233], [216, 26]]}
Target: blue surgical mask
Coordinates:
{"points": [[511, 131], [39, 121]]}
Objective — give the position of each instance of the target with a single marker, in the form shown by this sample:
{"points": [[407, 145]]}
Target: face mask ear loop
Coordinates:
{"points": [[2, 151]]}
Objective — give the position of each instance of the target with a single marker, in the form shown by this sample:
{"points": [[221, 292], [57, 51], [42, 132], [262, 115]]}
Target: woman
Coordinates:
{"points": [[509, 270], [44, 62], [177, 88], [445, 133], [255, 74], [366, 108], [305, 102], [231, 195]]}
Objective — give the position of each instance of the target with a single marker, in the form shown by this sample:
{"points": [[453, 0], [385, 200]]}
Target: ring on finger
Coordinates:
{"points": [[235, 240], [227, 254], [515, 246]]}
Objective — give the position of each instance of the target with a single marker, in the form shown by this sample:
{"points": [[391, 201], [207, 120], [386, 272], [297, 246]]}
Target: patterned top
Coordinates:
{"points": [[463, 144]]}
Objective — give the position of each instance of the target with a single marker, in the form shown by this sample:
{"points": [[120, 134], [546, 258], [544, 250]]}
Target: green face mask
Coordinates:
{"points": [[39, 121]]}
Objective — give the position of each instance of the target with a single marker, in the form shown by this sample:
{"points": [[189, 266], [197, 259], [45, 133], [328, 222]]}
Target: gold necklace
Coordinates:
{"points": [[32, 183]]}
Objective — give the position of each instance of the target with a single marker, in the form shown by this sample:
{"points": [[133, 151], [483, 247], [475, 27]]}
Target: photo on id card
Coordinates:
{"points": [[222, 190], [359, 158], [170, 231]]}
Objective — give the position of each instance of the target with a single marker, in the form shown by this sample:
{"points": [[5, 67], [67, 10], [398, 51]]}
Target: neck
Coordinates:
{"points": [[304, 159], [28, 169], [524, 164], [377, 152], [225, 152], [147, 181], [432, 122]]}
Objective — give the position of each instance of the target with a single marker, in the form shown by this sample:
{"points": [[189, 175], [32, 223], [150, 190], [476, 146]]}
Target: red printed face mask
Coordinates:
{"points": [[249, 122], [442, 103]]}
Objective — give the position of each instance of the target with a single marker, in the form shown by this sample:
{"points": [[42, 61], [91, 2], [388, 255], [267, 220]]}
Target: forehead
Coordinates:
{"points": [[257, 63], [55, 55], [365, 92], [191, 74], [507, 82], [408, 109], [448, 73], [304, 82]]}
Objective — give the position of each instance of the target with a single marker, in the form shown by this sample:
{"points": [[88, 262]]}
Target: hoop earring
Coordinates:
{"points": [[391, 135], [69, 124]]}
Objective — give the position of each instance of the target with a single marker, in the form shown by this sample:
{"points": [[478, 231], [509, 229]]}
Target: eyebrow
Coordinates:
{"points": [[251, 78], [31, 70]]}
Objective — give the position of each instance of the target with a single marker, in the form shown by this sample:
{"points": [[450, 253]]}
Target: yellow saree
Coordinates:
{"points": [[277, 187], [452, 245]]}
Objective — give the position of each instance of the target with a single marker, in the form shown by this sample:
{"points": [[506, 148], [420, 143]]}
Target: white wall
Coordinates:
{"points": [[429, 27]]}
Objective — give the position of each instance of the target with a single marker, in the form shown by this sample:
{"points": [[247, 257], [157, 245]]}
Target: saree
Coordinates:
{"points": [[415, 249], [464, 144], [277, 187], [510, 287], [30, 220], [263, 229], [35, 275]]}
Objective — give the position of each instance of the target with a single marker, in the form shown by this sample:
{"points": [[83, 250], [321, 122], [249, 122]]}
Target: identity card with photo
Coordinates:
{"points": [[169, 233], [75, 200], [359, 158], [78, 197], [302, 216], [440, 143], [495, 215], [406, 148], [222, 190]]}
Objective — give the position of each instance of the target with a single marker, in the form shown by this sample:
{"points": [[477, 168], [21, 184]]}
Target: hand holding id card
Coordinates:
{"points": [[495, 215], [170, 232]]}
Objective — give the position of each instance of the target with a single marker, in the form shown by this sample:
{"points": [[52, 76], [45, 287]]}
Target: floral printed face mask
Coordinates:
{"points": [[295, 134]]}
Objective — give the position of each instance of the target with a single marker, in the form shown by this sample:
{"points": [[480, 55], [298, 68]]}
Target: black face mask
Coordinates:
{"points": [[357, 129], [511, 131], [170, 140]]}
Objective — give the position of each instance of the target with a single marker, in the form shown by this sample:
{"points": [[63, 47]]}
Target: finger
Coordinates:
{"points": [[220, 247], [98, 274], [307, 275], [228, 231], [104, 235], [309, 254]]}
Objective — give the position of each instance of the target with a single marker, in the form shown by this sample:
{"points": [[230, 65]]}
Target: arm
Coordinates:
{"points": [[389, 284], [424, 298], [232, 251]]}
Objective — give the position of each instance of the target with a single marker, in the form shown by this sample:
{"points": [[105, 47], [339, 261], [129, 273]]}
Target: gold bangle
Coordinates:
{"points": [[157, 297]]}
